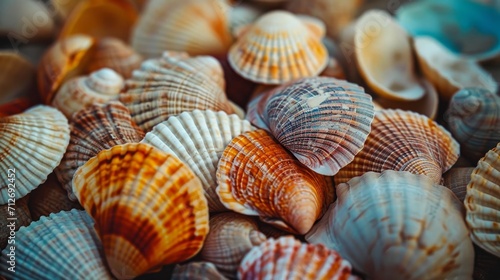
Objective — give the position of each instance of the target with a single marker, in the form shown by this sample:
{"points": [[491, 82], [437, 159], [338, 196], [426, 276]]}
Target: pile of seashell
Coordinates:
{"points": [[218, 139]]}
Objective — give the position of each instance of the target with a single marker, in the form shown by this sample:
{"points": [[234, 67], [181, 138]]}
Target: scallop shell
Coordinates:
{"points": [[32, 143], [384, 57], [193, 26], [482, 202], [406, 240], [231, 236], [148, 207], [404, 141], [279, 47], [473, 117], [17, 213], [197, 271], [288, 258], [457, 179], [333, 115], [57, 247], [256, 176], [78, 93], [12, 67], [96, 128], [198, 138]]}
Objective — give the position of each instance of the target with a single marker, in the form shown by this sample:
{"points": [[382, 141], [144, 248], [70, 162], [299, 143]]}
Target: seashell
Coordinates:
{"points": [[485, 265], [384, 57], [482, 202], [57, 247], [12, 67], [193, 26], [96, 128], [101, 19], [21, 217], [457, 179], [288, 258], [300, 52], [256, 176], [65, 59], [336, 116], [406, 240], [32, 145], [448, 71], [404, 141], [198, 139], [473, 117], [197, 271], [148, 207], [81, 92], [115, 54], [171, 85], [24, 21], [17, 106]]}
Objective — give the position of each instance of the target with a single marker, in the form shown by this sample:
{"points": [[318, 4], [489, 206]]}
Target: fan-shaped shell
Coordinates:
{"points": [[473, 118], [96, 128], [279, 47], [457, 179], [12, 217], [57, 247], [148, 207], [17, 77], [404, 141], [32, 145], [197, 271], [483, 202], [256, 176], [288, 258], [198, 138], [405, 240], [322, 121]]}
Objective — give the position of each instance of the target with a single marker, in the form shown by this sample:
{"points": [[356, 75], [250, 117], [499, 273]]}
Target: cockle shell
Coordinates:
{"points": [[148, 207], [482, 202], [279, 47], [198, 138], [323, 121], [12, 67], [380, 228], [193, 26], [61, 246], [404, 141], [257, 176], [473, 118], [16, 212], [457, 179], [197, 271], [32, 143], [288, 258], [231, 236], [80, 92]]}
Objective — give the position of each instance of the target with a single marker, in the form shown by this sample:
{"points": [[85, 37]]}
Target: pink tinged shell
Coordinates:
{"points": [[323, 121]]}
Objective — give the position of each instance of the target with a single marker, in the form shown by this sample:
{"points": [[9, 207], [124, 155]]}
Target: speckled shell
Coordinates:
{"points": [[94, 129], [78, 93], [333, 115], [457, 179], [17, 76], [57, 247], [482, 202], [279, 47], [21, 216], [171, 85], [473, 118], [288, 258], [198, 138], [197, 271], [33, 143], [231, 236], [256, 176], [416, 228], [404, 141], [194, 26], [148, 207]]}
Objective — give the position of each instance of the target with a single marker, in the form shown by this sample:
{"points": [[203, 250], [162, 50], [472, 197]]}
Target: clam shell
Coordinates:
{"points": [[482, 202], [404, 141], [256, 176], [322, 121], [57, 247], [406, 240], [279, 47], [96, 128], [33, 143], [18, 213], [197, 271], [288, 258], [457, 179], [473, 118], [198, 139], [12, 68], [148, 207]]}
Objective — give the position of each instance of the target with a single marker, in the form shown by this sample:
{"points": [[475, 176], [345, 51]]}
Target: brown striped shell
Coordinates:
{"points": [[457, 179], [16, 213], [257, 176], [148, 207], [196, 271]]}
